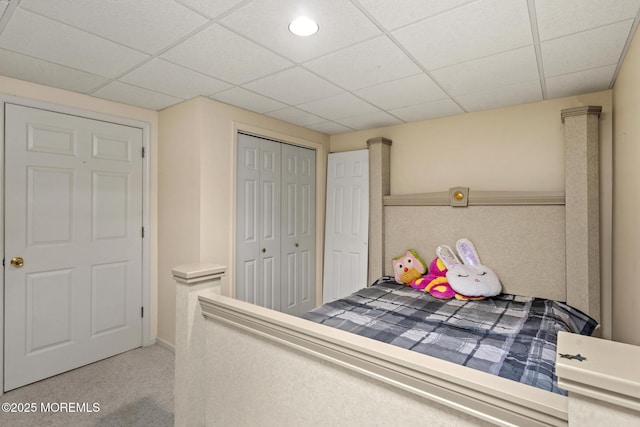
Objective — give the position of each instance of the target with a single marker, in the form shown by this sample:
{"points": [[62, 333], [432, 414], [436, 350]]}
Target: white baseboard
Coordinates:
{"points": [[165, 344]]}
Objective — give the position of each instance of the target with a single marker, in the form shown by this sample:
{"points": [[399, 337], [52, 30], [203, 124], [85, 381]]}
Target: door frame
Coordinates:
{"points": [[146, 338], [320, 183]]}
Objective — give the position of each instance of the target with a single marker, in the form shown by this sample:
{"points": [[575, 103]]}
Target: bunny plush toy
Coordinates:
{"points": [[470, 277]]}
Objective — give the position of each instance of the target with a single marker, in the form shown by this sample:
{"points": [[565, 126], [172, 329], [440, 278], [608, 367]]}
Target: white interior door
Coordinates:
{"points": [[347, 224], [73, 213], [298, 229], [258, 221]]}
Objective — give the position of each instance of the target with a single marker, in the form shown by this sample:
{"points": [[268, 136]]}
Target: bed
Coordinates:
{"points": [[240, 364], [508, 335]]}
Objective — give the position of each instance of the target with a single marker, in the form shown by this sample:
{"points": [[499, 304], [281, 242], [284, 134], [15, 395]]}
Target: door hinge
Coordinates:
{"points": [[143, 152], [141, 311], [143, 232]]}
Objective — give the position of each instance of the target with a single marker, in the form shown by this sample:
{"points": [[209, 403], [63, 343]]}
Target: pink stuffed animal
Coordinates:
{"points": [[436, 282]]}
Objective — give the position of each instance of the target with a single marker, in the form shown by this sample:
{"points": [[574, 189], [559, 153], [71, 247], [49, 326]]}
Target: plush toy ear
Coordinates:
{"points": [[467, 252], [447, 256]]}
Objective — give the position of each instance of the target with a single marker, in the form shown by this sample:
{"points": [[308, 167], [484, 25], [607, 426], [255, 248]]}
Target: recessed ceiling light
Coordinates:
{"points": [[303, 26]]}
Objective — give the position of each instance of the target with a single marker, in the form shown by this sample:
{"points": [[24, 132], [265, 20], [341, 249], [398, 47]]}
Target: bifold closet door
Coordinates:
{"points": [[258, 221], [275, 224], [298, 229]]}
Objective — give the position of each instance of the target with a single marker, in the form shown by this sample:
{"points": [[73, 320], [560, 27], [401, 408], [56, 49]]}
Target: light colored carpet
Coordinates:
{"points": [[131, 389]]}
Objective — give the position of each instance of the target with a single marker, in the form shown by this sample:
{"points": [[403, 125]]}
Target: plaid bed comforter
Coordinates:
{"points": [[507, 335]]}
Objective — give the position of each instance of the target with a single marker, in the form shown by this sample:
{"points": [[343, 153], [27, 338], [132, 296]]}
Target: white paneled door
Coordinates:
{"points": [[258, 221], [73, 221], [298, 229], [347, 224], [275, 224]]}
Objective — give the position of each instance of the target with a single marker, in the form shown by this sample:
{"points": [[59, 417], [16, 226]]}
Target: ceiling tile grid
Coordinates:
{"points": [[373, 62]]}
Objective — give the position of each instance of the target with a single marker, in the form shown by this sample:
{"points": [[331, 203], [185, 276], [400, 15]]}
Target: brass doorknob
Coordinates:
{"points": [[17, 262]]}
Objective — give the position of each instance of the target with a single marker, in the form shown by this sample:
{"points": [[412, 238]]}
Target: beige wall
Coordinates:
{"points": [[519, 148], [514, 148], [626, 230], [197, 178], [31, 91]]}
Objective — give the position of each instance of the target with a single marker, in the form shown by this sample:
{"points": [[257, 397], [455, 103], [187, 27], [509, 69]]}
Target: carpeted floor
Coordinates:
{"points": [[131, 389]]}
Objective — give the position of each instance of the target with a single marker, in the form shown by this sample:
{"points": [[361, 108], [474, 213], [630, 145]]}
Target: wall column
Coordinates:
{"points": [[379, 186], [191, 347], [582, 207]]}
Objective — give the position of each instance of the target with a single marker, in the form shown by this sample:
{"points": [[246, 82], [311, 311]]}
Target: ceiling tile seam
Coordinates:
{"points": [[326, 119], [380, 110], [148, 90], [426, 72], [625, 49], [236, 86], [535, 34], [157, 53], [401, 47], [57, 64], [581, 71], [597, 27], [217, 17], [345, 91], [257, 43], [364, 10], [84, 31], [349, 128], [8, 13]]}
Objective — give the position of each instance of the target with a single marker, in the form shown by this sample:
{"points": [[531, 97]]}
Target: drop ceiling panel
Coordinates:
{"points": [[501, 97], [294, 86], [211, 9], [373, 62], [469, 32], [427, 110], [129, 94], [504, 69], [70, 47], [248, 100], [369, 121], [368, 63], [266, 22], [403, 92], [146, 25], [296, 116], [339, 106], [593, 80], [214, 51], [392, 16], [561, 18], [330, 128], [165, 77], [43, 72], [575, 52]]}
